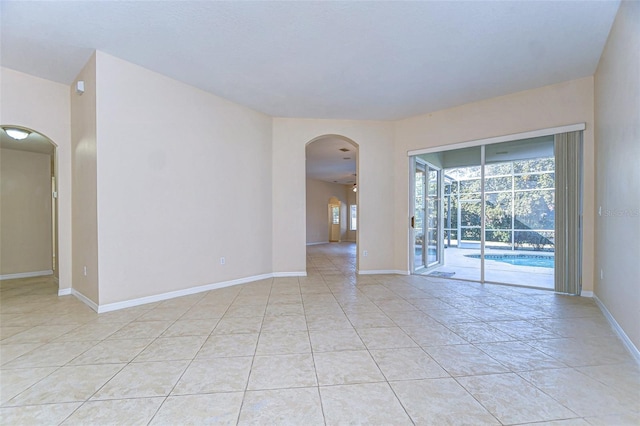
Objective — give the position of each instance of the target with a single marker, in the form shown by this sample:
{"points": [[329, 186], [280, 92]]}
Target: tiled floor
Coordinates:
{"points": [[330, 348]]}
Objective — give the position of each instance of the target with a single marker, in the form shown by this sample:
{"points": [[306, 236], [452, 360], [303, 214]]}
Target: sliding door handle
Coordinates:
{"points": [[413, 221]]}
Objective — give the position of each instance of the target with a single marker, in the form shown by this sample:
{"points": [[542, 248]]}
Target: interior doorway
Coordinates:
{"points": [[332, 191], [29, 224]]}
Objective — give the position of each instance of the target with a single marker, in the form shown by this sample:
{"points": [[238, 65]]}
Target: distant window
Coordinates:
{"points": [[335, 215], [353, 217]]}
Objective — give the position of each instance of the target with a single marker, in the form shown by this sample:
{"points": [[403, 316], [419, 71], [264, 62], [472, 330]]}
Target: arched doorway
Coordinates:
{"points": [[331, 192], [29, 224]]}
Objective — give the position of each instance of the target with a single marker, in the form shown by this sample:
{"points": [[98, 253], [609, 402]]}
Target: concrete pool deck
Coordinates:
{"points": [[468, 268]]}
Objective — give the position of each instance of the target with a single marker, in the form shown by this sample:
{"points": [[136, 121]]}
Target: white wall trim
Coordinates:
{"points": [[90, 303], [64, 291], [619, 331], [178, 293], [289, 274], [26, 275], [383, 272], [498, 139], [319, 242], [192, 290], [586, 293]]}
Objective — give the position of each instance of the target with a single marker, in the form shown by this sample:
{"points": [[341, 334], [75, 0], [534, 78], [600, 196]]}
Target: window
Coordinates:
{"points": [[519, 204], [353, 217], [335, 215]]}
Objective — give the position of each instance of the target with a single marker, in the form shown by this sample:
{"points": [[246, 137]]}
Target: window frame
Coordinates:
{"points": [[353, 208]]}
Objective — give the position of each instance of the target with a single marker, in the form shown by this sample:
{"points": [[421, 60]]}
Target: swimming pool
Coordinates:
{"points": [[540, 261]]}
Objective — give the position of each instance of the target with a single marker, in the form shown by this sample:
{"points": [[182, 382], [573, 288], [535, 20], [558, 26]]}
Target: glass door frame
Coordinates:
{"points": [[439, 216], [482, 143], [414, 266], [417, 164]]}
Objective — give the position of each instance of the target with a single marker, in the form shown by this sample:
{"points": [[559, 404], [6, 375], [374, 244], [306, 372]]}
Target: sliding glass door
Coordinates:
{"points": [[488, 213], [433, 237], [460, 203], [427, 213], [419, 213], [519, 205]]}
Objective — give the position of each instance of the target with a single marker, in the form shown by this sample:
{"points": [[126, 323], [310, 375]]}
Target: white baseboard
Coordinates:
{"points": [[586, 293], [383, 272], [191, 290], [619, 331], [320, 242], [172, 294], [26, 275], [289, 274], [90, 303], [178, 293]]}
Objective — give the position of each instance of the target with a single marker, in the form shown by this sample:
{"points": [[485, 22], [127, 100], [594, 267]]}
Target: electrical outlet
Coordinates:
{"points": [[601, 274], [84, 271], [222, 261], [365, 253]]}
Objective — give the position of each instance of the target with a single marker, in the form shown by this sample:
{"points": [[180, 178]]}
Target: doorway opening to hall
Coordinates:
{"points": [[332, 204], [29, 200]]}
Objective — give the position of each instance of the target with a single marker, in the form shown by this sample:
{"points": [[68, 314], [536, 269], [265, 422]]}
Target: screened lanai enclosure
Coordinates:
{"points": [[489, 213]]}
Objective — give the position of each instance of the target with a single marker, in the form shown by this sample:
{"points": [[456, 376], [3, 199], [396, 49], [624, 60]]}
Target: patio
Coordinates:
{"points": [[456, 261]]}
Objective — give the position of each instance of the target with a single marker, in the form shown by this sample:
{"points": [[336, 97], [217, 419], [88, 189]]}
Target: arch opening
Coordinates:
{"points": [[29, 193], [331, 196]]}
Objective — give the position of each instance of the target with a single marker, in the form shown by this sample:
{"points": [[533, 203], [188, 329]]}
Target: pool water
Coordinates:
{"points": [[519, 259]]}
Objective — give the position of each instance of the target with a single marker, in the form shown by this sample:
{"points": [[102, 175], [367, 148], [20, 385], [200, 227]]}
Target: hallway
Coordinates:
{"points": [[329, 348], [331, 259]]}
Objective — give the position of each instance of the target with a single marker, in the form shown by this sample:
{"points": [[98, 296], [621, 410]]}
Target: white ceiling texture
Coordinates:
{"points": [[327, 160], [365, 60]]}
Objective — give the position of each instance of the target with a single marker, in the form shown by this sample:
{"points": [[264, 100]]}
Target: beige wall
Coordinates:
{"points": [[551, 106], [184, 178], [617, 112], [84, 142], [375, 190], [318, 195], [43, 106], [168, 162], [25, 212]]}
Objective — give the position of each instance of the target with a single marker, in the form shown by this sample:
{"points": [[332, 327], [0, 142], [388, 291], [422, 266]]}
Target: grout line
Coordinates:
{"points": [[313, 358], [246, 387], [336, 280]]}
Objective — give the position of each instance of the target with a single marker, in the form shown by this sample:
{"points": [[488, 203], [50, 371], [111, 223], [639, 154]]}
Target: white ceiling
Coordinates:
{"points": [[326, 162], [322, 59]]}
